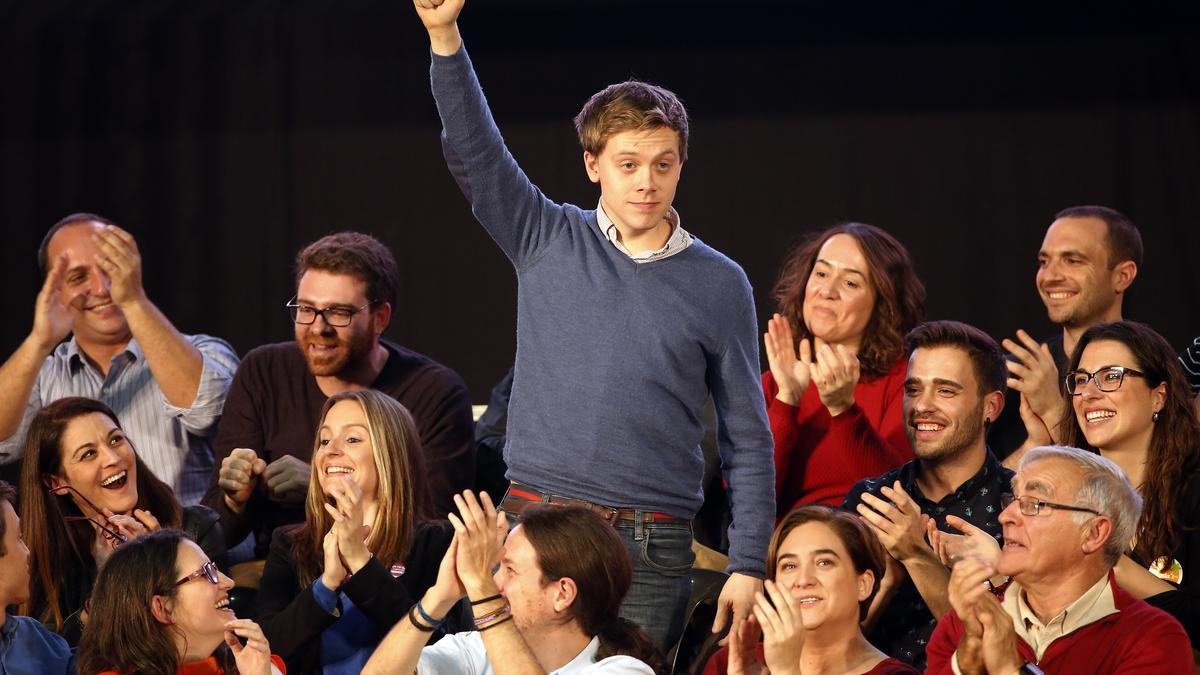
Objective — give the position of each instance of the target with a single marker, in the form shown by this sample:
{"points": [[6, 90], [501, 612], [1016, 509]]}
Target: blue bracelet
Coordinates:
{"points": [[429, 619]]}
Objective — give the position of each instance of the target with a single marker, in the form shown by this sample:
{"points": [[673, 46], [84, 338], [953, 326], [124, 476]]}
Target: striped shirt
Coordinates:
{"points": [[679, 239], [175, 443]]}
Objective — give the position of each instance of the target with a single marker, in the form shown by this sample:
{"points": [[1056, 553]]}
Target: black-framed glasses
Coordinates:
{"points": [[338, 317], [105, 528], [208, 570], [1109, 378], [1032, 506]]}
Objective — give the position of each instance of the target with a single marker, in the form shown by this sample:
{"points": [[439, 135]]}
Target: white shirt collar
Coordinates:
{"points": [[679, 239]]}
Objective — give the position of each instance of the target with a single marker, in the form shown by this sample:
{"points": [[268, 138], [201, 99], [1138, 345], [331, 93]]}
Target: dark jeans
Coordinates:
{"points": [[662, 558]]}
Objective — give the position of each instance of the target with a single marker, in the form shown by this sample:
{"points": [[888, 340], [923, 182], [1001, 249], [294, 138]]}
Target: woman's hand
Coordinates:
{"points": [[348, 522], [334, 571], [480, 530], [137, 524], [253, 658], [783, 629], [743, 649], [836, 374], [791, 374]]}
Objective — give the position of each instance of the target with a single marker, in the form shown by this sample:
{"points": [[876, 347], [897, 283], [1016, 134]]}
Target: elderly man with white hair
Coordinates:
{"points": [[1071, 516]]}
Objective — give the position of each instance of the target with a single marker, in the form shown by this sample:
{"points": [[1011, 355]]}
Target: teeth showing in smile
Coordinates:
{"points": [[111, 480], [1059, 295], [809, 601], [1094, 415], [929, 426], [222, 603], [101, 308], [331, 470]]}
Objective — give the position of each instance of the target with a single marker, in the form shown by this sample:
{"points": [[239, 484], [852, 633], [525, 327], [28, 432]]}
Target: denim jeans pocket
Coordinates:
{"points": [[668, 549]]}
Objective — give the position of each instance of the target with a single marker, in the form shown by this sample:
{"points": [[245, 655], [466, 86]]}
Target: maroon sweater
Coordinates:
{"points": [[273, 408], [1137, 639], [818, 458]]}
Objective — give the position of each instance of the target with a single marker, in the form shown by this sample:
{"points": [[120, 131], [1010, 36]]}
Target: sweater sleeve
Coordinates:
{"points": [[384, 599], [785, 430], [240, 428], [510, 207], [874, 450], [744, 441], [939, 653], [290, 616]]}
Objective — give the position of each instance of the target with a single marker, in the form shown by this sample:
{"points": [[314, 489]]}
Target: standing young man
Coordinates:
{"points": [[626, 324]]}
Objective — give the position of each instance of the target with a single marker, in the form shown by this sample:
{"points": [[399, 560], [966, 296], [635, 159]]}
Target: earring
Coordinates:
{"points": [[1154, 417]]}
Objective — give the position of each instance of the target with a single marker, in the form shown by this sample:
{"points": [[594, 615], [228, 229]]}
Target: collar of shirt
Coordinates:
{"points": [[679, 239], [974, 487], [75, 356], [582, 660], [1096, 603]]}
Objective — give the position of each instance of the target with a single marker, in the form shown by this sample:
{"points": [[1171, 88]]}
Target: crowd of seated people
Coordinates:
{"points": [[939, 501]]}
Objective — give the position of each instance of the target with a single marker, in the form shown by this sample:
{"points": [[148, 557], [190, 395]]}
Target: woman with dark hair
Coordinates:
{"points": [[1129, 399], [84, 490], [336, 583], [160, 607], [834, 389], [823, 569]]}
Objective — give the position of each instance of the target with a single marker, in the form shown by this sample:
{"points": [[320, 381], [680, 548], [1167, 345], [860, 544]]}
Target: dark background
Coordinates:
{"points": [[226, 134]]}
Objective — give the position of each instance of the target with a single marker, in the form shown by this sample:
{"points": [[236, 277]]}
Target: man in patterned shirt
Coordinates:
{"points": [[954, 390]]}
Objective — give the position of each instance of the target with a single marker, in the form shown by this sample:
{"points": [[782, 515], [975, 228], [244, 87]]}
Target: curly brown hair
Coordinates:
{"points": [[899, 293], [1174, 452]]}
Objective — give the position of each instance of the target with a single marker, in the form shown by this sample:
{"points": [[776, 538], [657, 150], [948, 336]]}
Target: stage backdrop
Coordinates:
{"points": [[227, 134]]}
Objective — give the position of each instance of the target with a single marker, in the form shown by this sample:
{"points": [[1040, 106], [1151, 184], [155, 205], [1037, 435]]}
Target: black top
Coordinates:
{"points": [[274, 405], [1184, 604], [904, 627], [293, 621], [1007, 433]]}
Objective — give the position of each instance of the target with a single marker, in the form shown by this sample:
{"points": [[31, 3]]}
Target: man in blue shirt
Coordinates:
{"points": [[26, 646]]}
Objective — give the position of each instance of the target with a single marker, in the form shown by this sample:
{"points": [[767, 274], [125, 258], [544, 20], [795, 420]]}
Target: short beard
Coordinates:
{"points": [[968, 433], [353, 350]]}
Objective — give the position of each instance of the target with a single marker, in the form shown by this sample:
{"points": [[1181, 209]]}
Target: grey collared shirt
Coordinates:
{"points": [[175, 443], [679, 239]]}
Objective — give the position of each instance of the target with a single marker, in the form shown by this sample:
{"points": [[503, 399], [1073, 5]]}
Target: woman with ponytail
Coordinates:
{"points": [[551, 606]]}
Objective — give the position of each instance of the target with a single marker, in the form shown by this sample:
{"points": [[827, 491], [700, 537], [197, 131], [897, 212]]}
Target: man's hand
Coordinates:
{"points": [[287, 479], [52, 320], [897, 522], [736, 601], [783, 629], [440, 18], [1035, 375], [968, 587], [973, 543], [791, 374], [835, 373], [1000, 653], [239, 474], [448, 589], [120, 260], [480, 530], [348, 523]]}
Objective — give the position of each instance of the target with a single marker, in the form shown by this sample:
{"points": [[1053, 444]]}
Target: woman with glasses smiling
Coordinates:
{"points": [[160, 607], [84, 492], [1129, 399]]}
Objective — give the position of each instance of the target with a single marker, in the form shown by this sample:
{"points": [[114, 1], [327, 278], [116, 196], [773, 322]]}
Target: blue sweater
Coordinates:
{"points": [[615, 359]]}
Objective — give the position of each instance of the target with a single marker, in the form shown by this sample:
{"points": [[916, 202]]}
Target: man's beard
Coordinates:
{"points": [[967, 432], [349, 352]]}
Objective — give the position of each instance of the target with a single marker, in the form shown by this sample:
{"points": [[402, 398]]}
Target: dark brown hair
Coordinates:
{"points": [[7, 494], [359, 255], [122, 632], [1174, 453], [573, 543], [985, 354], [899, 293], [864, 548], [630, 106], [402, 495], [55, 545], [43, 252], [1124, 240]]}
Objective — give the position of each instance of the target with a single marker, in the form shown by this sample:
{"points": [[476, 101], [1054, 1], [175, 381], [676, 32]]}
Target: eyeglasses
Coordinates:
{"points": [[1106, 379], [338, 317], [208, 570], [1032, 506], [105, 528]]}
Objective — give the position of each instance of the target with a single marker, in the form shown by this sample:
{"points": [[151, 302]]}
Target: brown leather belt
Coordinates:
{"points": [[520, 497]]}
